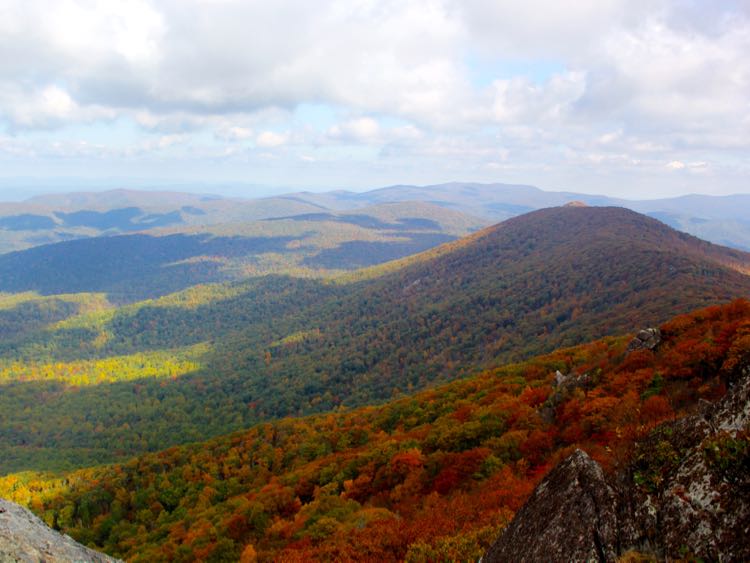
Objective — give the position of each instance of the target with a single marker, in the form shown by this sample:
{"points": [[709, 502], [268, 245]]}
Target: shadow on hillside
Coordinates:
{"points": [[122, 219], [28, 316], [131, 267]]}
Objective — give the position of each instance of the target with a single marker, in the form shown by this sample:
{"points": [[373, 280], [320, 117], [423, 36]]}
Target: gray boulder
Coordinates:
{"points": [[571, 516], [24, 538], [646, 339]]}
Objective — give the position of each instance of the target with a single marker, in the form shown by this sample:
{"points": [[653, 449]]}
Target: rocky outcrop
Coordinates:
{"points": [[686, 494], [646, 339], [695, 473], [570, 517], [24, 538], [563, 385]]}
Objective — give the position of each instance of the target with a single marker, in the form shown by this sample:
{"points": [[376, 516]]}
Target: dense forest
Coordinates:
{"points": [[218, 358], [428, 477], [159, 260]]}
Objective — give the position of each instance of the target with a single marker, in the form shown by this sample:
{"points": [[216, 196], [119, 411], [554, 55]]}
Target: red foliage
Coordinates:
{"points": [[444, 462], [457, 467], [535, 396]]}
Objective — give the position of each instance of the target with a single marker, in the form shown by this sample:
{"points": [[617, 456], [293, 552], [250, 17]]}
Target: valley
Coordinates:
{"points": [[400, 411]]}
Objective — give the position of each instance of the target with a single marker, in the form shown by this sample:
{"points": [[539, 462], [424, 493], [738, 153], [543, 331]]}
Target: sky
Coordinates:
{"points": [[629, 98]]}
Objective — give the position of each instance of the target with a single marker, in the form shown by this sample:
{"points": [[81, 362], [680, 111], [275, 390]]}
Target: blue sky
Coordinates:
{"points": [[629, 98]]}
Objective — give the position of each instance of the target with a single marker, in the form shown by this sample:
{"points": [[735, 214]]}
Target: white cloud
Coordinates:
{"points": [[360, 129], [270, 139], [636, 83], [520, 100], [234, 133]]}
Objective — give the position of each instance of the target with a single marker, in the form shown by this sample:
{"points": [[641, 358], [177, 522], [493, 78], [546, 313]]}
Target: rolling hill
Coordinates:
{"points": [[719, 219], [223, 357], [59, 217], [63, 217], [146, 265]]}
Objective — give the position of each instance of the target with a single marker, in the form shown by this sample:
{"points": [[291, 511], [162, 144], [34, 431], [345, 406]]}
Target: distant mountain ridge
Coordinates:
{"points": [[44, 219], [159, 261], [720, 219]]}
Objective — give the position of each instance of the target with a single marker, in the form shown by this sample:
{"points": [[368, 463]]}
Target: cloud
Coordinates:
{"points": [[234, 132], [595, 85], [360, 129], [519, 100], [270, 139], [223, 57]]}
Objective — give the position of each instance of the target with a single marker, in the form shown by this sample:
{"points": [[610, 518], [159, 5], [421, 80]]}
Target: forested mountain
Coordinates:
{"points": [[59, 217], [218, 358], [497, 201], [64, 217], [133, 267], [119, 198], [719, 219], [432, 477]]}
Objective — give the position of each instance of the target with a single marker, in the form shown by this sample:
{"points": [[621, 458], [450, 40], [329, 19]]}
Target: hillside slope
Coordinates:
{"points": [[279, 346], [547, 279], [685, 489], [62, 217], [432, 477]]}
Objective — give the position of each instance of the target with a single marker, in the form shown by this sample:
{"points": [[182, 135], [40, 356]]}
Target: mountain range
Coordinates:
{"points": [[58, 217], [720, 219], [343, 377], [215, 358]]}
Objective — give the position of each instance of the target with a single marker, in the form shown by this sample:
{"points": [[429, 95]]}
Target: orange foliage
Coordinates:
{"points": [[373, 483]]}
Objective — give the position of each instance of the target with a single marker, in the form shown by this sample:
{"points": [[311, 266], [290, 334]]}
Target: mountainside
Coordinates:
{"points": [[217, 358], [550, 278], [59, 217], [82, 216], [432, 477], [111, 199]]}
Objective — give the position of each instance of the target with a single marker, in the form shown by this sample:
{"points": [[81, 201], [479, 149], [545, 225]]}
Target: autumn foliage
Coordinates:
{"points": [[426, 478]]}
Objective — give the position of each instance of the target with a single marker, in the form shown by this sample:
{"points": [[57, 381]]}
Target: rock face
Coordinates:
{"points": [[646, 339], [570, 517], [686, 494], [703, 503], [24, 538]]}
